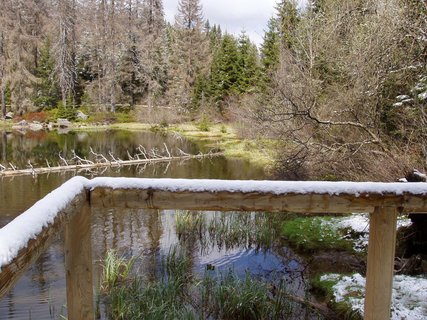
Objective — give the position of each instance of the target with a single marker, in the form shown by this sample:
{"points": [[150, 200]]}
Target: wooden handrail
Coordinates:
{"points": [[382, 201]]}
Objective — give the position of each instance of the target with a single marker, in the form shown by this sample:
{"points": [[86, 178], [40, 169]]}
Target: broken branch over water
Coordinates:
{"points": [[101, 161]]}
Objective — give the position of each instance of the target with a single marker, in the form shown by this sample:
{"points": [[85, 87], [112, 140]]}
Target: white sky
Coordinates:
{"points": [[233, 15]]}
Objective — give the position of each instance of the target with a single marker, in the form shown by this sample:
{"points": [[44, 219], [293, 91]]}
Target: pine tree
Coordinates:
{"points": [[47, 93], [287, 19], [248, 64], [225, 71], [270, 49]]}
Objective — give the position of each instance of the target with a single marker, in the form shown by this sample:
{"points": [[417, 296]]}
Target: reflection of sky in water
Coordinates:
{"points": [[40, 293]]}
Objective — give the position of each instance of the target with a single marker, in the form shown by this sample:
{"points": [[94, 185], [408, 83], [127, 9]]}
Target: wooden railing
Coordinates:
{"points": [[383, 202]]}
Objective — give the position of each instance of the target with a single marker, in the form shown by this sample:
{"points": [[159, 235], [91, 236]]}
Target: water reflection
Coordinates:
{"points": [[40, 293]]}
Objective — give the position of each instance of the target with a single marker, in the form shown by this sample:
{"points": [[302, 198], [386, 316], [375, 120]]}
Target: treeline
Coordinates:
{"points": [[342, 83], [68, 53]]}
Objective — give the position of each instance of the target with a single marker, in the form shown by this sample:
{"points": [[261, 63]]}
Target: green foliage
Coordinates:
{"points": [[46, 94], [235, 299], [178, 296], [65, 113], [270, 50], [115, 270], [287, 19], [224, 69], [310, 234], [204, 124], [248, 72]]}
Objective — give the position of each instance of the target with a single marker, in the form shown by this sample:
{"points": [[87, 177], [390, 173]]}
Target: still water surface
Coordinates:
{"points": [[148, 235]]}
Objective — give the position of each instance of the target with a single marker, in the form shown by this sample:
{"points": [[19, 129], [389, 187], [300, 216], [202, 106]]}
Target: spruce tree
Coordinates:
{"points": [[46, 95], [270, 49], [248, 65], [225, 70]]}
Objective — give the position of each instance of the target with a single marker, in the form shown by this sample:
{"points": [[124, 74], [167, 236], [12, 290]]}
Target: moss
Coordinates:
{"points": [[309, 234]]}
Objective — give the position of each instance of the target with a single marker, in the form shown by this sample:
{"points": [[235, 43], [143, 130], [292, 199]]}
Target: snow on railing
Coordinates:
{"points": [[23, 239]]}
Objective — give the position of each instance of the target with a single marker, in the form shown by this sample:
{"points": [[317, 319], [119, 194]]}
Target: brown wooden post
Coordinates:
{"points": [[381, 250], [78, 266]]}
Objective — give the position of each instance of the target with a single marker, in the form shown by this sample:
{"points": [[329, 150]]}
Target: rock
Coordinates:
{"points": [[35, 126], [9, 115], [63, 123], [22, 123], [81, 115]]}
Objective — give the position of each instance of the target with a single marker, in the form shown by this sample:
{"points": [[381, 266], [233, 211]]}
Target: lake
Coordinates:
{"points": [[146, 235]]}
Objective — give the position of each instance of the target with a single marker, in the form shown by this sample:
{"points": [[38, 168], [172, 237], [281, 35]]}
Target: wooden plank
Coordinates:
{"points": [[13, 271], [78, 266], [252, 201], [379, 276]]}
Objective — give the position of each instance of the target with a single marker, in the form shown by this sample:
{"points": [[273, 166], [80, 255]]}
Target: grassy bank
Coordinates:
{"points": [[215, 136]]}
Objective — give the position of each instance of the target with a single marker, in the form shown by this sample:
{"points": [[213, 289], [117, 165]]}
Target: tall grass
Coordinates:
{"points": [[115, 269], [178, 295]]}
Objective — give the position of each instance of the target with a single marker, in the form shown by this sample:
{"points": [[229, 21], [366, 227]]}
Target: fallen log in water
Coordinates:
{"points": [[101, 162]]}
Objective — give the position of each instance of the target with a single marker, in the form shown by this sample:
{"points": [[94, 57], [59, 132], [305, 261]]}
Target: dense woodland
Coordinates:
{"points": [[342, 84]]}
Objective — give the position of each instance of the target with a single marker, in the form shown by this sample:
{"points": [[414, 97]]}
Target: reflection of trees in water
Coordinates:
{"points": [[38, 147]]}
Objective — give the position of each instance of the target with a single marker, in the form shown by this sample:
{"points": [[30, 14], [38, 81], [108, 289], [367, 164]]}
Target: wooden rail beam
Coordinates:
{"points": [[381, 251], [78, 266], [11, 272], [251, 201]]}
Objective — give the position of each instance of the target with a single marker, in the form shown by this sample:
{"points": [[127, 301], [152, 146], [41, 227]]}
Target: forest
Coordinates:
{"points": [[341, 85]]}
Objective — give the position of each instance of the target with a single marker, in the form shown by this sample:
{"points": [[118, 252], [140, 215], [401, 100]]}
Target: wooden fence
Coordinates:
{"points": [[382, 201]]}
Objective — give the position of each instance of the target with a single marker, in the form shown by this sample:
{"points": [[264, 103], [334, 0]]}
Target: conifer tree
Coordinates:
{"points": [[46, 94], [225, 70], [270, 49], [248, 65]]}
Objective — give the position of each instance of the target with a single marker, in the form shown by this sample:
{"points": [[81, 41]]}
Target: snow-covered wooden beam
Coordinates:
{"points": [[25, 238], [278, 196]]}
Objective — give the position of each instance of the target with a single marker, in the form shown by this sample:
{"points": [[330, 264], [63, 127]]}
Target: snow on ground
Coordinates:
{"points": [[409, 294], [358, 224]]}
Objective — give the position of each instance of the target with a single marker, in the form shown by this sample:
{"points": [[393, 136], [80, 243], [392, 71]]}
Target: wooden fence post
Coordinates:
{"points": [[381, 250], [78, 266]]}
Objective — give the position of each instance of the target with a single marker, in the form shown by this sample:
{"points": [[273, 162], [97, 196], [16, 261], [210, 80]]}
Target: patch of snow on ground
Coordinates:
{"points": [[359, 223], [409, 299]]}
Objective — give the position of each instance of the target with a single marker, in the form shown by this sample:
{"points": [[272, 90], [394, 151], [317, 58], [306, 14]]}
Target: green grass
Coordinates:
{"points": [[179, 295], [308, 234], [116, 269]]}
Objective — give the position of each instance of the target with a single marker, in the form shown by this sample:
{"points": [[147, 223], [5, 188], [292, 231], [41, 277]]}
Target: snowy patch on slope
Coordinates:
{"points": [[409, 300]]}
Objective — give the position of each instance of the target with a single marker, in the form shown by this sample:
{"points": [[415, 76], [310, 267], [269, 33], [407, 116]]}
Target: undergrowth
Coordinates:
{"points": [[309, 234]]}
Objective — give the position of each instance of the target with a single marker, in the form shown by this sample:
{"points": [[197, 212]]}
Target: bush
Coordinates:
{"points": [[204, 124]]}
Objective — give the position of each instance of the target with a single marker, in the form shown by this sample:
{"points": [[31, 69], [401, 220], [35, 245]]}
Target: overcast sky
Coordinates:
{"points": [[233, 15]]}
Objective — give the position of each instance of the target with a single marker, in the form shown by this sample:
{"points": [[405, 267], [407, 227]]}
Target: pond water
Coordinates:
{"points": [[145, 234]]}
